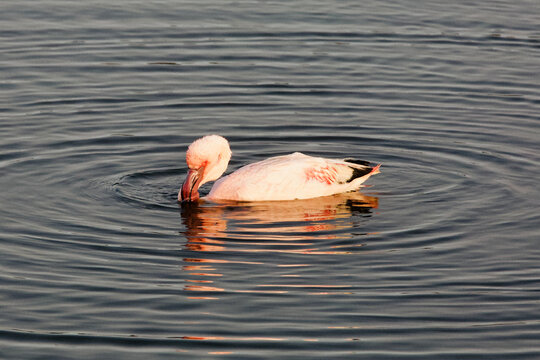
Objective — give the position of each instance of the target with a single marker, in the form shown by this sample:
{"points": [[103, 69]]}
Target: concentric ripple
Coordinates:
{"points": [[149, 188]]}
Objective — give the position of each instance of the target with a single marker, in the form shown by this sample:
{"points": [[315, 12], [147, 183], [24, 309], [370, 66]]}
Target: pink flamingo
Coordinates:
{"points": [[287, 177]]}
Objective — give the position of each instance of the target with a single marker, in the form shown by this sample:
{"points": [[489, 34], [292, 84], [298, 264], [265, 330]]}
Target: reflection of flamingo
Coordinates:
{"points": [[288, 177], [292, 227], [209, 224]]}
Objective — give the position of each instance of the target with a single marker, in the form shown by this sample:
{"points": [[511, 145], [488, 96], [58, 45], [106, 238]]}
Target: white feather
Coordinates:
{"points": [[283, 178]]}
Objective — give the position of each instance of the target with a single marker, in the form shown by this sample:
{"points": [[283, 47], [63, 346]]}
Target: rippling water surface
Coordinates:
{"points": [[437, 259]]}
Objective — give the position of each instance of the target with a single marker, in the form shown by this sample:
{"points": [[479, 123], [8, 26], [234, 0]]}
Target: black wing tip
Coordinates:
{"points": [[365, 168], [357, 161], [359, 173]]}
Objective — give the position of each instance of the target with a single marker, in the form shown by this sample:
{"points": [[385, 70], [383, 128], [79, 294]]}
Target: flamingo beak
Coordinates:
{"points": [[190, 187]]}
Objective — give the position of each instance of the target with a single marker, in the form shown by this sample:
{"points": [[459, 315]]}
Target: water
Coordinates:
{"points": [[438, 259]]}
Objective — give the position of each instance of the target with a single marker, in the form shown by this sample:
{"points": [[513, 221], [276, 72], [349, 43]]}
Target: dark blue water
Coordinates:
{"points": [[438, 259]]}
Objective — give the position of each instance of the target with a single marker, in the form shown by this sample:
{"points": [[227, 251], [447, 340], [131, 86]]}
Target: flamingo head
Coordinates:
{"points": [[207, 159]]}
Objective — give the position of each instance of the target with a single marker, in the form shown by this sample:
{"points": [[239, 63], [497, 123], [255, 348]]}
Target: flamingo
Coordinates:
{"points": [[287, 177]]}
